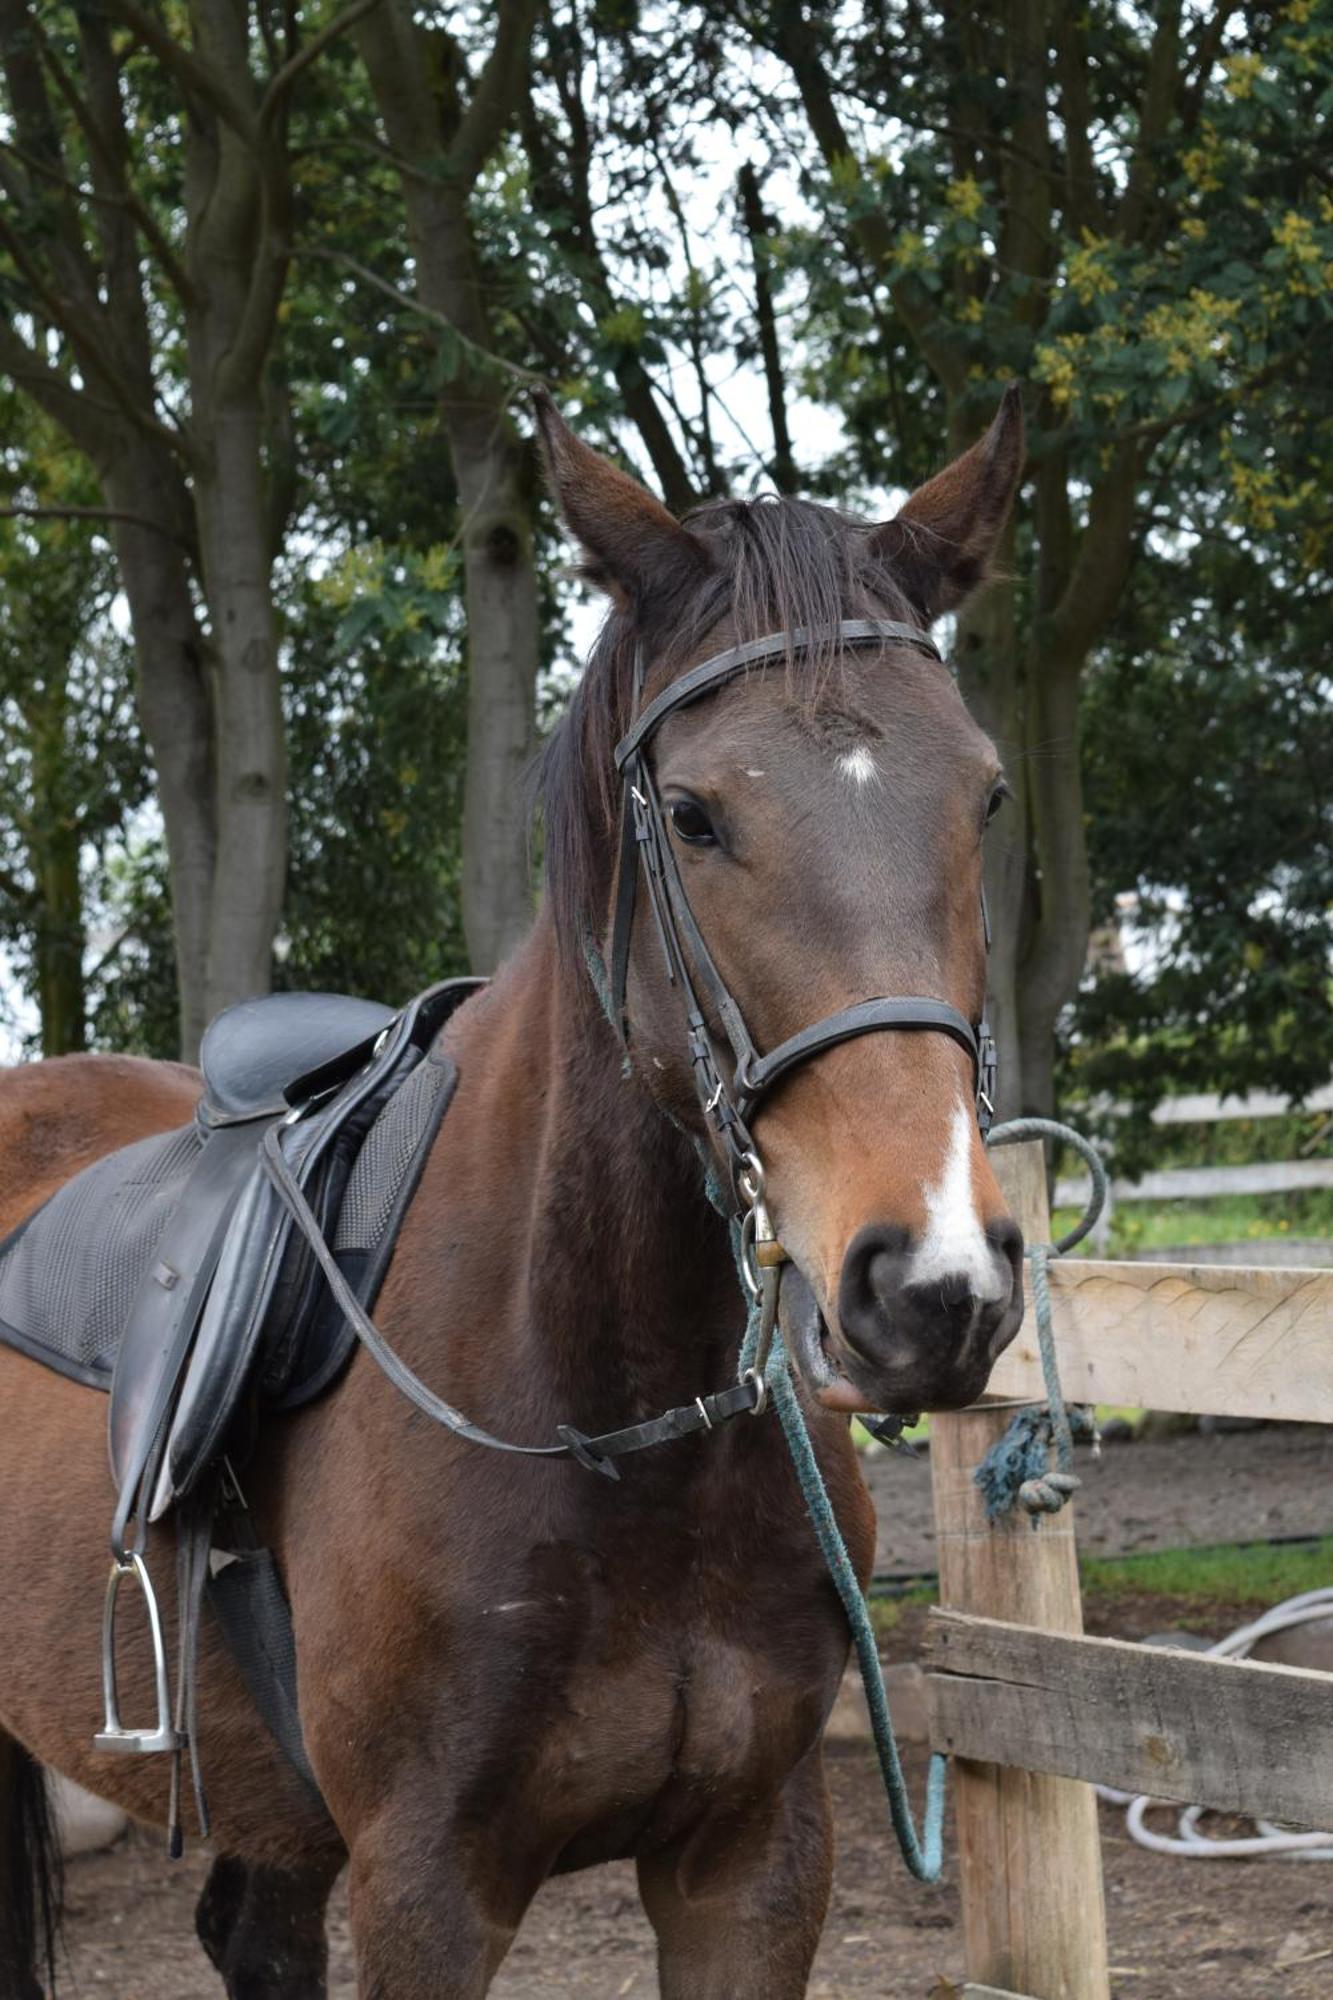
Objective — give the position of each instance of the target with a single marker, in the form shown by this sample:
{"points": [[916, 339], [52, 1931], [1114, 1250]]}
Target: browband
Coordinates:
{"points": [[776, 645]]}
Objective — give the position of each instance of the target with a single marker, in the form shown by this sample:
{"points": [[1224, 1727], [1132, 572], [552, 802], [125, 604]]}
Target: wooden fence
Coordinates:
{"points": [[1259, 1177], [1033, 1712]]}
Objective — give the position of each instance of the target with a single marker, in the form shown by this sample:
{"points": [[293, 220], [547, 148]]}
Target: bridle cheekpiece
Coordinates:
{"points": [[729, 1103]]}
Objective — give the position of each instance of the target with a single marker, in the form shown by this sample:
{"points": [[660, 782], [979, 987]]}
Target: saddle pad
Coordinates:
{"points": [[70, 1273]]}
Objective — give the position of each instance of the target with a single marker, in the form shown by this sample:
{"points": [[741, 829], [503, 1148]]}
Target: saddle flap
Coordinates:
{"points": [[168, 1305], [266, 1287]]}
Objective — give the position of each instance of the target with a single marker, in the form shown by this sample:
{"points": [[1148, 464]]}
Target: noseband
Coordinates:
{"points": [[645, 843]]}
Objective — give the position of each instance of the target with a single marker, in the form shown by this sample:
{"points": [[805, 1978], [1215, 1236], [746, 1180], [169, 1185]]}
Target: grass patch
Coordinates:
{"points": [[1234, 1574], [886, 1613], [1237, 1218], [1194, 1579]]}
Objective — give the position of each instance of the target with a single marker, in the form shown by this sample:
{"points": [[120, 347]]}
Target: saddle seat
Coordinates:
{"points": [[259, 1057]]}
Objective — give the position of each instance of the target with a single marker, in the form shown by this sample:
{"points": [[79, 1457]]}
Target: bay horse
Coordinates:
{"points": [[509, 1667]]}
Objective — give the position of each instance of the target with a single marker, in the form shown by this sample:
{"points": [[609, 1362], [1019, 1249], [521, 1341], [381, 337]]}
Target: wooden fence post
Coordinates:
{"points": [[1034, 1917]]}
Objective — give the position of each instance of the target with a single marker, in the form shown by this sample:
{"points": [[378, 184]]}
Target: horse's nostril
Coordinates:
{"points": [[1003, 1234], [872, 1275], [885, 1306]]}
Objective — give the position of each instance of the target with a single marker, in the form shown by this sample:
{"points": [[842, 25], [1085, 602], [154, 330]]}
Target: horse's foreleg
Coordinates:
{"points": [[739, 1904], [263, 1928], [431, 1914]]}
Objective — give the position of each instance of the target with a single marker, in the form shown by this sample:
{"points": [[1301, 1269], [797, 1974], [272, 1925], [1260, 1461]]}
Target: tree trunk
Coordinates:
{"points": [[61, 994], [504, 638], [175, 707], [989, 656], [1055, 941], [251, 763], [444, 147]]}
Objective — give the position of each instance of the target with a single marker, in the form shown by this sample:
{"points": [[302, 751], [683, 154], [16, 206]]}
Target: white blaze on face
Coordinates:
{"points": [[858, 765], [953, 1243]]}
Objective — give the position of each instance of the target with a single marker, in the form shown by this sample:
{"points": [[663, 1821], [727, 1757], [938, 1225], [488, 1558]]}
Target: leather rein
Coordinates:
{"points": [[728, 1104]]}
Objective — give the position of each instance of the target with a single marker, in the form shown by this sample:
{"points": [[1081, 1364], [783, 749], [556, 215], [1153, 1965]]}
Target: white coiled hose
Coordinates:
{"points": [[1269, 1839]]}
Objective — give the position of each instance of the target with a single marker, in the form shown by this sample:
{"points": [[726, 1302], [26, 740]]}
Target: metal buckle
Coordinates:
{"points": [[113, 1734], [760, 1403]]}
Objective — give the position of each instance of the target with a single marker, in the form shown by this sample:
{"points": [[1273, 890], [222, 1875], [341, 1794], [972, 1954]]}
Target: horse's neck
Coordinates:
{"points": [[618, 1274]]}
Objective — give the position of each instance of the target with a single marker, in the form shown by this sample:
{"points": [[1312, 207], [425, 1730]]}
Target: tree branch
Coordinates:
{"points": [[92, 425], [1160, 91], [481, 357], [282, 83], [127, 196], [497, 93], [13, 511], [757, 229], [561, 190], [795, 43], [195, 77], [1101, 564]]}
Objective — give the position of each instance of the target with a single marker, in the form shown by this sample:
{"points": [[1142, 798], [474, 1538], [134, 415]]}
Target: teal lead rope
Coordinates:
{"points": [[1017, 1468], [924, 1854]]}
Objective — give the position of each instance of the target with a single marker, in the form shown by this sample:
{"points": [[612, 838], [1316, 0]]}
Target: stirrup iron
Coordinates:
{"points": [[113, 1734]]}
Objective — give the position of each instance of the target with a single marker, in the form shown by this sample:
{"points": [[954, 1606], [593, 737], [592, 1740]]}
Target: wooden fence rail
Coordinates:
{"points": [[1231, 1734], [1033, 1711]]}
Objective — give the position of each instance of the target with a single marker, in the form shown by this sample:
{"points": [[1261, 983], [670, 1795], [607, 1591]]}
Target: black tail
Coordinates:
{"points": [[31, 1876]]}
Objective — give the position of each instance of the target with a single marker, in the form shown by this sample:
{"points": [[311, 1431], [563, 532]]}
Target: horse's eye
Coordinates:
{"points": [[690, 822], [996, 800]]}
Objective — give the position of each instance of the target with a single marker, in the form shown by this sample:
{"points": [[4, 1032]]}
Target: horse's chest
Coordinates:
{"points": [[653, 1716]]}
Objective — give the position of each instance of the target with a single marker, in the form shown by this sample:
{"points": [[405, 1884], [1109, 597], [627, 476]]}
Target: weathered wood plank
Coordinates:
{"points": [[1220, 1340], [1230, 1734], [1028, 1858], [1189, 1110], [1203, 1183]]}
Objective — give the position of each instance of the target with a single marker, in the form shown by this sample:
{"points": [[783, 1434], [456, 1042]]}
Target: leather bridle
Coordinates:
{"points": [[729, 1104]]}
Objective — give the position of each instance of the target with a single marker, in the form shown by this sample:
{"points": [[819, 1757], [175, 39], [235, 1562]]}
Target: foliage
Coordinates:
{"points": [[375, 731], [1130, 211], [1209, 758], [72, 769]]}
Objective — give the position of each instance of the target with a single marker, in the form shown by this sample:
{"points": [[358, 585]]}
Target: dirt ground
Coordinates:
{"points": [[1246, 1931], [1154, 1493]]}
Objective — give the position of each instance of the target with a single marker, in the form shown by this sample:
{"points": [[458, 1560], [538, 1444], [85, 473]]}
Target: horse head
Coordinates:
{"points": [[810, 817]]}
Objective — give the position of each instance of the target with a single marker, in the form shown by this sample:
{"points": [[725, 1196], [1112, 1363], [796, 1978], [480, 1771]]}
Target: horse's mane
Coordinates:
{"points": [[781, 564]]}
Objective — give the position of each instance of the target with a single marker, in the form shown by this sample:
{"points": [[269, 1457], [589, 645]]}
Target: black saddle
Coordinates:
{"points": [[171, 1272]]}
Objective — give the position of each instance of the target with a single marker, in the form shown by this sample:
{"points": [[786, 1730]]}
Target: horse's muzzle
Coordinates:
{"points": [[900, 1345]]}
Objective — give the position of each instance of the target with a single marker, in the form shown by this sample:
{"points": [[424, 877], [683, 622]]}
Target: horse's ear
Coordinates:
{"points": [[940, 546], [633, 548]]}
